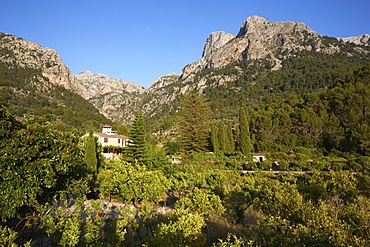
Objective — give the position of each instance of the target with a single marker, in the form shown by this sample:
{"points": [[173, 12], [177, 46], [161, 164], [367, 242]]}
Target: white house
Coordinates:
{"points": [[259, 157], [111, 142]]}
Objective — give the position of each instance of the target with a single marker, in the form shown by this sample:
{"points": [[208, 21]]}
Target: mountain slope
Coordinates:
{"points": [[34, 80], [116, 99], [230, 63], [262, 59], [232, 66]]}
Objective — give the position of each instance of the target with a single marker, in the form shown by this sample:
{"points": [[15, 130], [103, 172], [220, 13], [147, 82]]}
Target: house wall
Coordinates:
{"points": [[259, 158], [112, 141], [109, 138]]}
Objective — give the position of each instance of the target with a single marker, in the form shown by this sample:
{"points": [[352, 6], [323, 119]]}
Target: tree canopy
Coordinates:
{"points": [[193, 123]]}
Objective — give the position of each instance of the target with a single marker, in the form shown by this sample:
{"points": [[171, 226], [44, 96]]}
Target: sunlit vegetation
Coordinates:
{"points": [[24, 90], [201, 186]]}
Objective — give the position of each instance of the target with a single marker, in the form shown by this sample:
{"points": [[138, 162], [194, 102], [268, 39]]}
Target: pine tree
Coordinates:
{"points": [[245, 139], [193, 124], [91, 159], [214, 139], [136, 150]]}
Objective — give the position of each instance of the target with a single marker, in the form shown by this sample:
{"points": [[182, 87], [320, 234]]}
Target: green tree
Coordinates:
{"points": [[222, 137], [39, 162], [132, 182], [91, 159], [230, 139], [8, 124], [214, 139], [193, 125], [136, 150], [245, 139], [183, 229]]}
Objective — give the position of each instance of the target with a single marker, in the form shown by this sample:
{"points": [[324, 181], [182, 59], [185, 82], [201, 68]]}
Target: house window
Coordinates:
{"points": [[105, 139], [119, 140]]}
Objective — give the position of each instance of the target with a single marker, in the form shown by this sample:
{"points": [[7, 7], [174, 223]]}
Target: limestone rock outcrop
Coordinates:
{"points": [[22, 53], [257, 39], [215, 41], [89, 85], [358, 40], [115, 98]]}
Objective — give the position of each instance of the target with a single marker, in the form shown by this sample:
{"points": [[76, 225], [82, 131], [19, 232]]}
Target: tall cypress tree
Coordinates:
{"points": [[222, 138], [230, 139], [245, 139], [214, 138], [193, 124], [136, 150]]}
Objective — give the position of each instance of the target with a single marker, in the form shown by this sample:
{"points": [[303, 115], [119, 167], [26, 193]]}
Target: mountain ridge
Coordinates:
{"points": [[119, 99]]}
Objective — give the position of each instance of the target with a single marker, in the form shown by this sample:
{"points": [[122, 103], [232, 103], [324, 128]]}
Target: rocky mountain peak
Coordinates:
{"points": [[252, 24], [257, 39], [89, 85], [24, 53], [215, 41], [116, 99]]}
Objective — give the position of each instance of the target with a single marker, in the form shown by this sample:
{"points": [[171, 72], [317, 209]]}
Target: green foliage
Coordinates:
{"points": [[25, 90], [136, 149], [172, 147], [229, 139], [244, 138], [76, 223], [232, 241], [193, 123], [201, 202], [38, 162], [122, 129], [132, 182], [156, 158], [8, 124], [91, 153], [7, 236], [214, 138], [222, 137], [316, 100], [183, 229]]}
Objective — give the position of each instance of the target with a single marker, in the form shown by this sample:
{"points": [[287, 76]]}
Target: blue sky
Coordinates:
{"points": [[142, 40]]}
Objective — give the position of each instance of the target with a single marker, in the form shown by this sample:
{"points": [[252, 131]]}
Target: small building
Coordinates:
{"points": [[259, 157], [111, 142]]}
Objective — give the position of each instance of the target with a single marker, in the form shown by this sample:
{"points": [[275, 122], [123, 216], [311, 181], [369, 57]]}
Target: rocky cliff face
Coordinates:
{"points": [[215, 41], [20, 52], [115, 98], [257, 39], [358, 40]]}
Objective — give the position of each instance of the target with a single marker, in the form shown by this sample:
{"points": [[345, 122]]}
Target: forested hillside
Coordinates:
{"points": [[315, 100], [52, 196], [24, 90]]}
